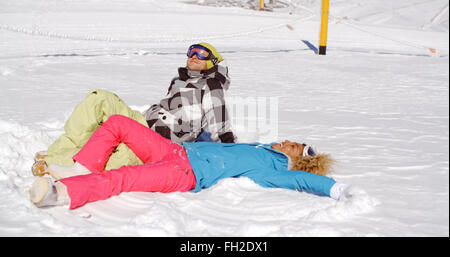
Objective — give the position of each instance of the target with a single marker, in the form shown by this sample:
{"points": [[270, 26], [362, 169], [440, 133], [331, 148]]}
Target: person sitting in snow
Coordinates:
{"points": [[194, 109], [170, 167]]}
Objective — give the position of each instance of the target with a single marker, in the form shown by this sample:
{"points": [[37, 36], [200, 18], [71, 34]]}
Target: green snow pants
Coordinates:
{"points": [[84, 120]]}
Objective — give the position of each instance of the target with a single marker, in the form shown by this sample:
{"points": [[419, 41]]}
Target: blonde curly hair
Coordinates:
{"points": [[319, 164]]}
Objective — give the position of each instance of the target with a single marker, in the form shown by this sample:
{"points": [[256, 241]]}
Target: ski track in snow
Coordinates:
{"points": [[380, 108]]}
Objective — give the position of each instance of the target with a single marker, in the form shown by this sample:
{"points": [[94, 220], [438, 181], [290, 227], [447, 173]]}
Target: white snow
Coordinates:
{"points": [[378, 102]]}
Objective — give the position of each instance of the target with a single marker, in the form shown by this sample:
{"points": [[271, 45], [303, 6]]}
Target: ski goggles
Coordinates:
{"points": [[202, 52], [308, 150]]}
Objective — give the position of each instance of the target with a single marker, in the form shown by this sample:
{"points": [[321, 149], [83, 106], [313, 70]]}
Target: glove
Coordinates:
{"points": [[341, 191]]}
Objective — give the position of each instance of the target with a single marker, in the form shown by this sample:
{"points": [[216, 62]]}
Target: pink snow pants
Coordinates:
{"points": [[166, 166]]}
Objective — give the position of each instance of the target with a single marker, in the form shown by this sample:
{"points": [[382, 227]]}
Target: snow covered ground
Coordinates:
{"points": [[378, 102]]}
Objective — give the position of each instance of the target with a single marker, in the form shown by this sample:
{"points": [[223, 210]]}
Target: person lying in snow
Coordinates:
{"points": [[194, 107], [170, 167]]}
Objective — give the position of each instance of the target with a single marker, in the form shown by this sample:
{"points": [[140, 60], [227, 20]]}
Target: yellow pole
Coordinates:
{"points": [[261, 4], [324, 27]]}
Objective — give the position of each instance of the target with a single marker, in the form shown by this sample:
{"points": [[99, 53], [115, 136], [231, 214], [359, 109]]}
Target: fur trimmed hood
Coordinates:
{"points": [[320, 164]]}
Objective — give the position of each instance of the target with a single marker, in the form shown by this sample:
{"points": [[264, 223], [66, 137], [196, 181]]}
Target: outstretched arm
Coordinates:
{"points": [[304, 181]]}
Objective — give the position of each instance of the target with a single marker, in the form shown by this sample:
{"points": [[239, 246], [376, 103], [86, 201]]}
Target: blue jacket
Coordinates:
{"points": [[262, 164]]}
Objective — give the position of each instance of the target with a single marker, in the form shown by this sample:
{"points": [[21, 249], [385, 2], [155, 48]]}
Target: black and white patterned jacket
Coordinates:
{"points": [[194, 102]]}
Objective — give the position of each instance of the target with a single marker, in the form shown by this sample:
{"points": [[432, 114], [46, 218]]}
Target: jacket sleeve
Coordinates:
{"points": [[298, 180], [215, 112]]}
